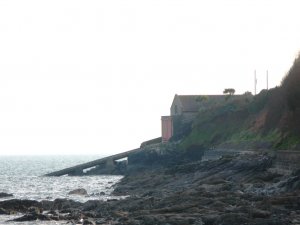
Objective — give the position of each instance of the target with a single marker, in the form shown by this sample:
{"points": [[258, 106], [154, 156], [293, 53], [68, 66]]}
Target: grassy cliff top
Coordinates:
{"points": [[269, 120]]}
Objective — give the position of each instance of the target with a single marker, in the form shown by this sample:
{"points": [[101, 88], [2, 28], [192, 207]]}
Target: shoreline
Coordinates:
{"points": [[232, 190]]}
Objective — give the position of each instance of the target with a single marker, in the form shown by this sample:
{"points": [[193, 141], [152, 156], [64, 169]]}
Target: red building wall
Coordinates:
{"points": [[166, 128]]}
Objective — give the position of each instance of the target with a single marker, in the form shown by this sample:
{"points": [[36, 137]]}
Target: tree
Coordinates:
{"points": [[229, 91]]}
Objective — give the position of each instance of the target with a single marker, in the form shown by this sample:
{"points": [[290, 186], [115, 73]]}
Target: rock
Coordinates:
{"points": [[100, 221], [27, 217], [17, 205], [92, 205], [257, 213], [98, 194], [65, 204], [36, 210], [32, 217], [46, 204], [79, 191], [210, 219], [233, 219], [5, 195], [88, 221], [3, 212]]}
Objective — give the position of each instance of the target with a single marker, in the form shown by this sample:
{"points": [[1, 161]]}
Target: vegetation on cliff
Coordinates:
{"points": [[269, 120]]}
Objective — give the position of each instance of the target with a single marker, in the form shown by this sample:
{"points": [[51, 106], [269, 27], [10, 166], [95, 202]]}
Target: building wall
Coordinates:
{"points": [[166, 128], [188, 117], [176, 107]]}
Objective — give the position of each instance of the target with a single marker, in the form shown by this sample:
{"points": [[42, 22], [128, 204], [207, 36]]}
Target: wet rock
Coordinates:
{"points": [[3, 212], [17, 205], [88, 221], [100, 221], [92, 205], [79, 191], [32, 217], [47, 205], [27, 217], [257, 213], [233, 219], [5, 195], [210, 218], [35, 210], [63, 204]]}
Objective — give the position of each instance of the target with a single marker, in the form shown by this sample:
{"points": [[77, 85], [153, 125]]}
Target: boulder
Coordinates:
{"points": [[5, 195], [19, 205], [258, 213], [3, 212], [32, 217], [65, 204], [79, 191]]}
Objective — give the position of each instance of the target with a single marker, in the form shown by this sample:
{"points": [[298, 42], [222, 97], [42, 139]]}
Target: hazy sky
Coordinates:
{"points": [[79, 77]]}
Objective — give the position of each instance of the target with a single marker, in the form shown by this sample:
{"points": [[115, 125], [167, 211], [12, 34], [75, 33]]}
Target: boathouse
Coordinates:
{"points": [[185, 108]]}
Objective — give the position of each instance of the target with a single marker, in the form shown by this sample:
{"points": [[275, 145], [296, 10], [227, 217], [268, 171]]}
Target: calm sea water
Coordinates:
{"points": [[22, 177]]}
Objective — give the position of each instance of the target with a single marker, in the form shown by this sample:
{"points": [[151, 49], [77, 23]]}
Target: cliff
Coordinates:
{"points": [[269, 120]]}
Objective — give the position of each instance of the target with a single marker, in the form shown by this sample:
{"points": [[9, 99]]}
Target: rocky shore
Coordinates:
{"points": [[233, 190]]}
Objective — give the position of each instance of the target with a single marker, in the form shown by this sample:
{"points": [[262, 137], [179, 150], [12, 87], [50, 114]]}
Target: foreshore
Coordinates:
{"points": [[233, 190]]}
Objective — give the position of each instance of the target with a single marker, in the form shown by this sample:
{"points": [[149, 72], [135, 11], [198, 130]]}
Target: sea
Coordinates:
{"points": [[23, 177]]}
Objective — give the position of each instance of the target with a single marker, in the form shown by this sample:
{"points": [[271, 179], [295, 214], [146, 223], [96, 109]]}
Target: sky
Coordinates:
{"points": [[94, 77]]}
